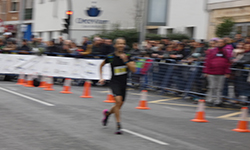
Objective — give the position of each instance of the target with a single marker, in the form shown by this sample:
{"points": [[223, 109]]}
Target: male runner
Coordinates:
{"points": [[120, 64]]}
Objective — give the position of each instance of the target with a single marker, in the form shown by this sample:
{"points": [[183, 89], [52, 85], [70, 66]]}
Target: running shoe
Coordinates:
{"points": [[118, 131], [105, 119]]}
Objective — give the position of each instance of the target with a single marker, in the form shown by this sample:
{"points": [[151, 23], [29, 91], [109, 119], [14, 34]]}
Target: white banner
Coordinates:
{"points": [[53, 66]]}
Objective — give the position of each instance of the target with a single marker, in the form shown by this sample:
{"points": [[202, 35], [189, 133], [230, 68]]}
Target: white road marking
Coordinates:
{"points": [[27, 97], [145, 137], [164, 100]]}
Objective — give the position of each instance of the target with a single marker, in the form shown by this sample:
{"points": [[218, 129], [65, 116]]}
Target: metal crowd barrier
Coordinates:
{"points": [[188, 80]]}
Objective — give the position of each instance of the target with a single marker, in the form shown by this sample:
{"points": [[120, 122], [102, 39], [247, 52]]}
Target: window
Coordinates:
{"points": [[28, 14], [157, 12], [153, 31], [190, 31], [14, 5], [239, 29], [50, 35], [40, 34], [3, 7], [170, 31]]}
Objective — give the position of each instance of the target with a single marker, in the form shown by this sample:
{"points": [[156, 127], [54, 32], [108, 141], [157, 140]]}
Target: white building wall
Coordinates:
{"points": [[49, 16], [187, 13], [45, 36]]}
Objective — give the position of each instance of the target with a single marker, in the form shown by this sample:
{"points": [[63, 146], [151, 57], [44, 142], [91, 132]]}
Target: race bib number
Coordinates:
{"points": [[219, 55], [121, 70]]}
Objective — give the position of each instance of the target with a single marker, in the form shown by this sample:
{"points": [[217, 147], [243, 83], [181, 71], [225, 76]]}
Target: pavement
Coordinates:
{"points": [[34, 119]]}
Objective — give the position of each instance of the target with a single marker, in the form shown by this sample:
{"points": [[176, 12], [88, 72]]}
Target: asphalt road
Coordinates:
{"points": [[33, 119]]}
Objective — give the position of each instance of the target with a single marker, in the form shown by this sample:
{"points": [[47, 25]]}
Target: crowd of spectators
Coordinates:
{"points": [[218, 55], [185, 51]]}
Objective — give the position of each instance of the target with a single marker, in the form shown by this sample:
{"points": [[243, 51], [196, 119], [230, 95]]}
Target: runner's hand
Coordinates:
{"points": [[124, 57], [101, 81]]}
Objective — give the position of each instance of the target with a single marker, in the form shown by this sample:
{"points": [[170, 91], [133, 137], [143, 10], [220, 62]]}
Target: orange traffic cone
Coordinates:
{"points": [[43, 82], [49, 85], [20, 80], [25, 80], [143, 102], [200, 113], [86, 92], [243, 123], [110, 98], [66, 86], [30, 82]]}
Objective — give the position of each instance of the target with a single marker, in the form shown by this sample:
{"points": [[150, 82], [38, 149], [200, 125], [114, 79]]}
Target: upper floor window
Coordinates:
{"points": [[14, 5]]}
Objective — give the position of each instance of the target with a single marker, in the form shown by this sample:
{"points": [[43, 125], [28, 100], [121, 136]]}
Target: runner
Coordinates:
{"points": [[120, 64]]}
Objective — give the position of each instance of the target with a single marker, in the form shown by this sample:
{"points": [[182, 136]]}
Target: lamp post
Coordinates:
{"points": [[143, 23]]}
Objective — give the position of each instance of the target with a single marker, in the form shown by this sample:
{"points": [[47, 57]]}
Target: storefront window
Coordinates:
{"points": [[239, 29]]}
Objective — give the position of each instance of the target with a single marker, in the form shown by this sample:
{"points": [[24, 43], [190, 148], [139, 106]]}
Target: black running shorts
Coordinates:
{"points": [[118, 90]]}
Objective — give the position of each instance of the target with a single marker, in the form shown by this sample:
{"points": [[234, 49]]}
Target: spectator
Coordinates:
{"points": [[7, 37], [237, 39], [166, 54], [1, 44], [73, 48], [85, 42], [10, 46], [199, 50], [87, 51], [247, 40], [52, 48], [60, 41], [135, 50], [97, 48], [67, 42], [154, 47], [242, 79], [65, 49], [33, 43], [212, 44], [24, 46], [159, 51], [238, 53], [179, 53], [40, 43], [108, 47], [245, 59], [166, 42], [37, 46], [216, 68]]}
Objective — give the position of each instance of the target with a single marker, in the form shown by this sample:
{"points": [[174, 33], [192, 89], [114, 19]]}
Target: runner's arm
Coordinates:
{"points": [[101, 66], [131, 66]]}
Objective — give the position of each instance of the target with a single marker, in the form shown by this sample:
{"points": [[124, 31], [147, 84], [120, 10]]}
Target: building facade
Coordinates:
{"points": [[89, 17], [185, 16], [9, 15], [238, 10]]}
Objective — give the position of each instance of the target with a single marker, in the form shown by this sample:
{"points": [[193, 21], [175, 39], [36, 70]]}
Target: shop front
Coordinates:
{"points": [[240, 15]]}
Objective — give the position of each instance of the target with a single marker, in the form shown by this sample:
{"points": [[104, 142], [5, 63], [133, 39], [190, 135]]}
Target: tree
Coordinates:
{"points": [[178, 36], [225, 28]]}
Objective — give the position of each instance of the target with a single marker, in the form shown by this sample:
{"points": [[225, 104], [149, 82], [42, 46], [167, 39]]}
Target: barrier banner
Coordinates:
{"points": [[53, 66]]}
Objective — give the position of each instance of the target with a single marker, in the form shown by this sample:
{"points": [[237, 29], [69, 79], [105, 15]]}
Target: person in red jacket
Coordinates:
{"points": [[217, 67]]}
